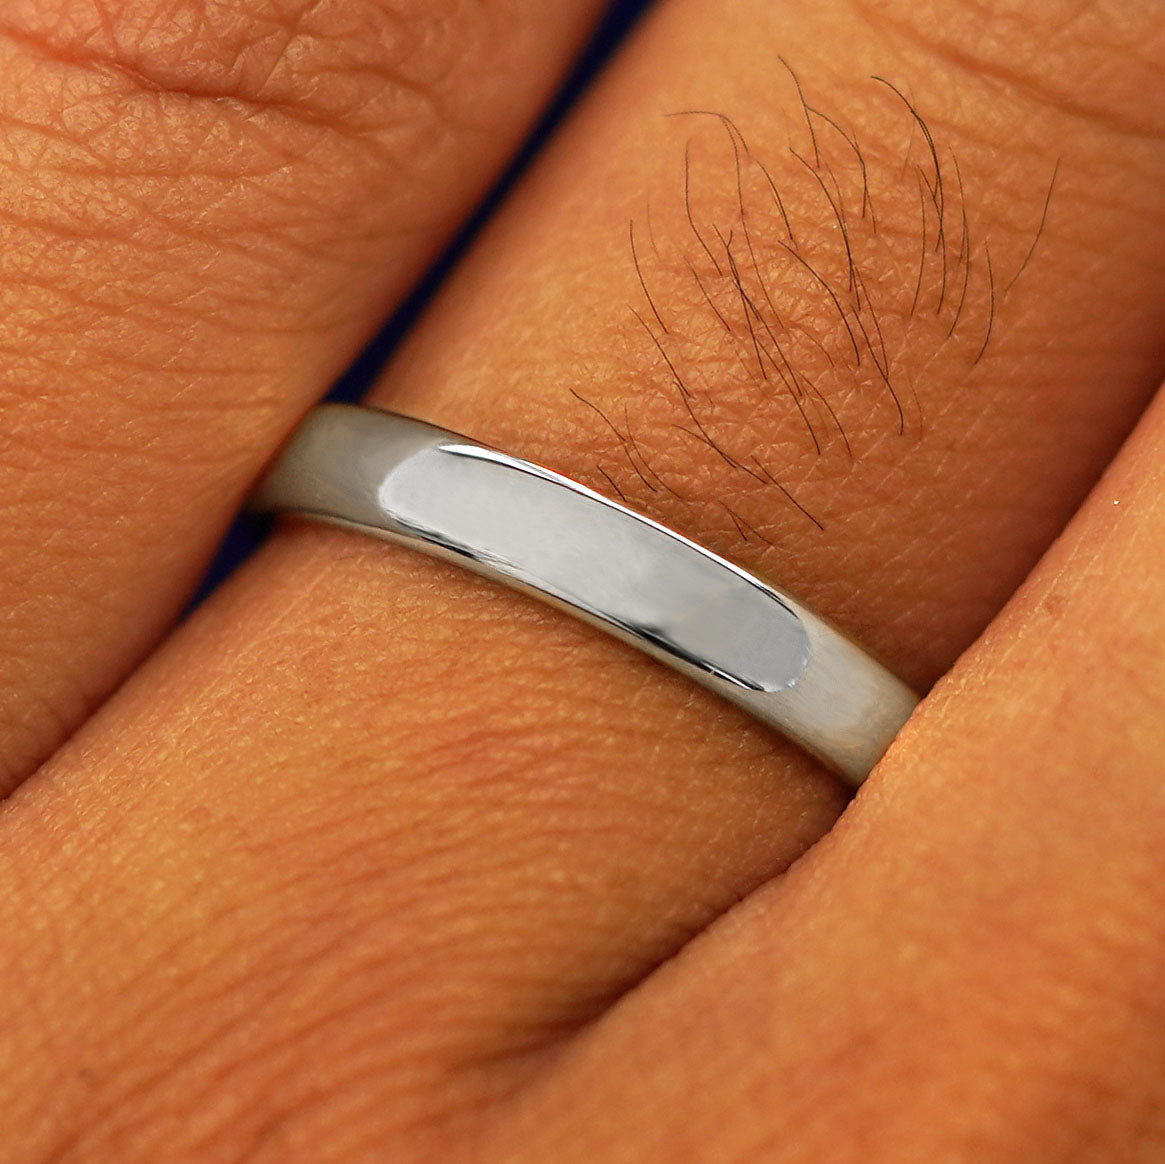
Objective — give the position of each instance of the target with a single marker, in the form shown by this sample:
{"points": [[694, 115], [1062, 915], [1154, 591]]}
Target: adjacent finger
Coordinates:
{"points": [[972, 965], [204, 213], [477, 823]]}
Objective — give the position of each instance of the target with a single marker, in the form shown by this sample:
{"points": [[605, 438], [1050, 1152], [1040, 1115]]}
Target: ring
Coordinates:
{"points": [[548, 536]]}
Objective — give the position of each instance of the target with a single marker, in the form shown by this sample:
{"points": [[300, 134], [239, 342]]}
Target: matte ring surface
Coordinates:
{"points": [[542, 533]]}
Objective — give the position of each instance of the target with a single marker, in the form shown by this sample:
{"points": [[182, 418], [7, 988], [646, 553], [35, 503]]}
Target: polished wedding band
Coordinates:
{"points": [[535, 530]]}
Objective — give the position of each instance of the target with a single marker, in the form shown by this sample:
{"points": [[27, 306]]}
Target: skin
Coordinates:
{"points": [[372, 859]]}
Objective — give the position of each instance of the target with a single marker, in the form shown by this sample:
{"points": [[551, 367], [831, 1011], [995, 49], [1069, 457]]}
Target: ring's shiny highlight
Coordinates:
{"points": [[521, 524]]}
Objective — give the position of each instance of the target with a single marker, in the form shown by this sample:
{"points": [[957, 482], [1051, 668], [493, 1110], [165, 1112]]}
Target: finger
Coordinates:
{"points": [[543, 816], [203, 218], [972, 965]]}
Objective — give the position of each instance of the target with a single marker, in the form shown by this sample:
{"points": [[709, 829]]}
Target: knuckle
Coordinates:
{"points": [[159, 125], [165, 169], [160, 163]]}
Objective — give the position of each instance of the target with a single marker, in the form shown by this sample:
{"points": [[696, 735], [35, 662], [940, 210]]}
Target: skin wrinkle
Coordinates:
{"points": [[64, 229], [783, 296], [260, 152], [258, 61], [91, 226]]}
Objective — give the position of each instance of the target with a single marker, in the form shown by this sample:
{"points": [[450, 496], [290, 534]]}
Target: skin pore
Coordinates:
{"points": [[371, 859]]}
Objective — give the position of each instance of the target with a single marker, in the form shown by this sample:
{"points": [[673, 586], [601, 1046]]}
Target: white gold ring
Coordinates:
{"points": [[542, 533]]}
